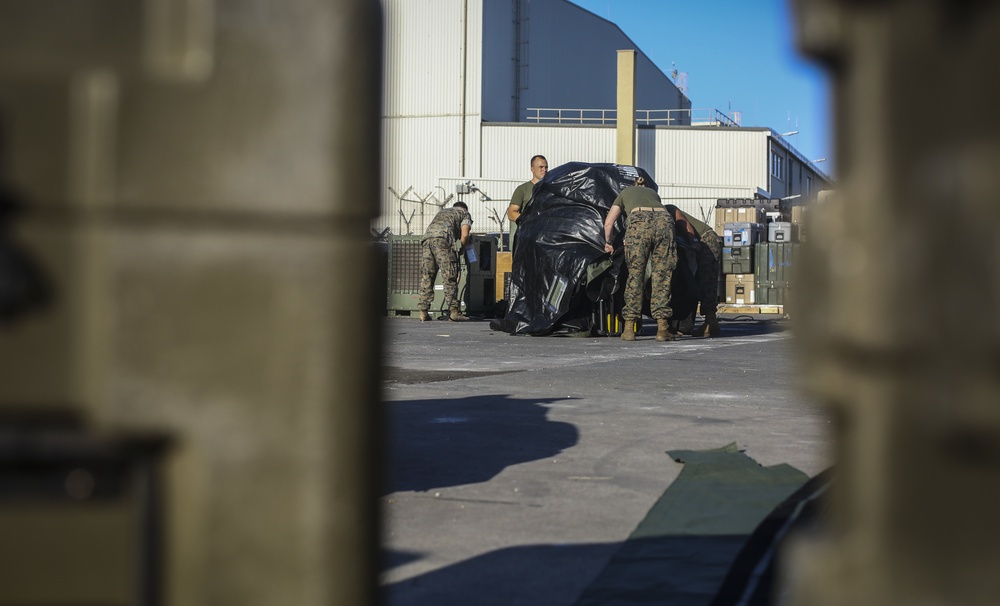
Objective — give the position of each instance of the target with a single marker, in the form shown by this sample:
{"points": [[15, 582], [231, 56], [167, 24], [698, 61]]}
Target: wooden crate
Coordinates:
{"points": [[504, 263]]}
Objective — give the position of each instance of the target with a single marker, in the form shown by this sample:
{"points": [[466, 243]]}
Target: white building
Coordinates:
{"points": [[474, 88]]}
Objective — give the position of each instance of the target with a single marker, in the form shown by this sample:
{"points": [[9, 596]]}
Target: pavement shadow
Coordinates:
{"points": [[440, 443], [676, 570], [530, 575], [393, 558], [741, 326]]}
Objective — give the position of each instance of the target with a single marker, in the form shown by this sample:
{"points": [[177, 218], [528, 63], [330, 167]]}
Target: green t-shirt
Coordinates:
{"points": [[522, 195], [636, 196]]}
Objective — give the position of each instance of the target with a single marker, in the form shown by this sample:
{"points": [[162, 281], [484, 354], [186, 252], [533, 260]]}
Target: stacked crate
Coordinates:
{"points": [[741, 225], [794, 212], [774, 260], [505, 263], [757, 255]]}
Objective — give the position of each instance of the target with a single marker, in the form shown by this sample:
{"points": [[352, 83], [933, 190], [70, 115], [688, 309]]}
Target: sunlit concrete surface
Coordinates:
{"points": [[516, 478]]}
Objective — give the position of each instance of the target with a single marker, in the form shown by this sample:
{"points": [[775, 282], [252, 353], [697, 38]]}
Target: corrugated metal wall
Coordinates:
{"points": [[508, 148], [424, 64], [692, 166], [718, 158], [714, 157], [645, 150], [700, 201], [431, 123], [421, 149]]}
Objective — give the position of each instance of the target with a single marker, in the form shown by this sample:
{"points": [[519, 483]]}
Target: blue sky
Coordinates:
{"points": [[739, 55]]}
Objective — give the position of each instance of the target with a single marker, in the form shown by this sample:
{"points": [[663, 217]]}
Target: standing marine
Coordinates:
{"points": [[438, 252], [707, 246], [522, 195], [649, 237]]}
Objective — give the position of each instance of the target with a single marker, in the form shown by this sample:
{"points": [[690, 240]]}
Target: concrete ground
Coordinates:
{"points": [[518, 465]]}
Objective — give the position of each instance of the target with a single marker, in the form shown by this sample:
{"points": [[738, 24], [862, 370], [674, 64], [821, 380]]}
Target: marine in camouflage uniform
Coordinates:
{"points": [[649, 237], [709, 255], [708, 252], [438, 253]]}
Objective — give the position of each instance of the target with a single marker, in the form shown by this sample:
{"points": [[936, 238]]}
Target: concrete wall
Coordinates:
{"points": [[896, 316], [194, 211]]}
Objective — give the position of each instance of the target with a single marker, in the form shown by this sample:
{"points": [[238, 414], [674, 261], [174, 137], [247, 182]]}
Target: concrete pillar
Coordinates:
{"points": [[199, 177], [625, 146], [897, 305]]}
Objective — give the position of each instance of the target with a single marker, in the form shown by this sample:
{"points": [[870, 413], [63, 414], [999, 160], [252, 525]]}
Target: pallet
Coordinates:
{"points": [[752, 309]]}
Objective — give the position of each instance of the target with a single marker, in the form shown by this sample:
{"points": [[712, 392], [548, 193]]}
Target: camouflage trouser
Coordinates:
{"points": [[708, 255], [649, 236], [437, 253]]}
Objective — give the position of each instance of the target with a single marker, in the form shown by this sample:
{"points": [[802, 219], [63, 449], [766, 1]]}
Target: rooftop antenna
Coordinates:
{"points": [[736, 117], [680, 78]]}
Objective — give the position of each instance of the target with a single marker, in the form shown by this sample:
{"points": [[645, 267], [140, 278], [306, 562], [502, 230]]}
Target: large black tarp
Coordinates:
{"points": [[560, 272]]}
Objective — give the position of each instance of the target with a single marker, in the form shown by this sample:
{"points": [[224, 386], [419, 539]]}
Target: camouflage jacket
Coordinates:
{"points": [[448, 224]]}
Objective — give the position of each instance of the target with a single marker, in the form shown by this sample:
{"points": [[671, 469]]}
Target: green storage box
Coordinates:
{"points": [[737, 260]]}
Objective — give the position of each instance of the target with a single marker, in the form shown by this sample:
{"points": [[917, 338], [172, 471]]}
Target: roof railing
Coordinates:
{"points": [[648, 117]]}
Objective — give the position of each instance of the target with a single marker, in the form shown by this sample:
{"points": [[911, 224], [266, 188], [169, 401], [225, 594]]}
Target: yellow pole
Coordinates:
{"points": [[625, 147]]}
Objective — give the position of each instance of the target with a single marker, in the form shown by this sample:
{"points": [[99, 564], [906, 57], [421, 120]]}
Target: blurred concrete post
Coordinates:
{"points": [[625, 124], [898, 314], [201, 179]]}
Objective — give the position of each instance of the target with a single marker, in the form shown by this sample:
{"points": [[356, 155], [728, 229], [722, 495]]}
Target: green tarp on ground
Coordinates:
{"points": [[680, 553]]}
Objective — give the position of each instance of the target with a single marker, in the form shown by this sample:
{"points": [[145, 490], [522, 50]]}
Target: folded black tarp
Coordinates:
{"points": [[560, 270], [680, 552]]}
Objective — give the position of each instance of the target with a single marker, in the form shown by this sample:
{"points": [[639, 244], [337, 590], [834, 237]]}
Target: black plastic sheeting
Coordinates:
{"points": [[561, 276]]}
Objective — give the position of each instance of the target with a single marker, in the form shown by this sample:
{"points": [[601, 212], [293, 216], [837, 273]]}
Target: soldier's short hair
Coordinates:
{"points": [[461, 205]]}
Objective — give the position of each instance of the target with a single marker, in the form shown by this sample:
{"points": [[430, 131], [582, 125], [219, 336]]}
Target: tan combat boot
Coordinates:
{"points": [[424, 316], [456, 316], [628, 333], [663, 331], [711, 325]]}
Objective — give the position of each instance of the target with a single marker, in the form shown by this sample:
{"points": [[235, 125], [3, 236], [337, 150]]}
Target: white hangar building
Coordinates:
{"points": [[474, 88]]}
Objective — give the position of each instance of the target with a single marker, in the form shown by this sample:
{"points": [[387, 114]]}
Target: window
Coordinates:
{"points": [[777, 166], [809, 186]]}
